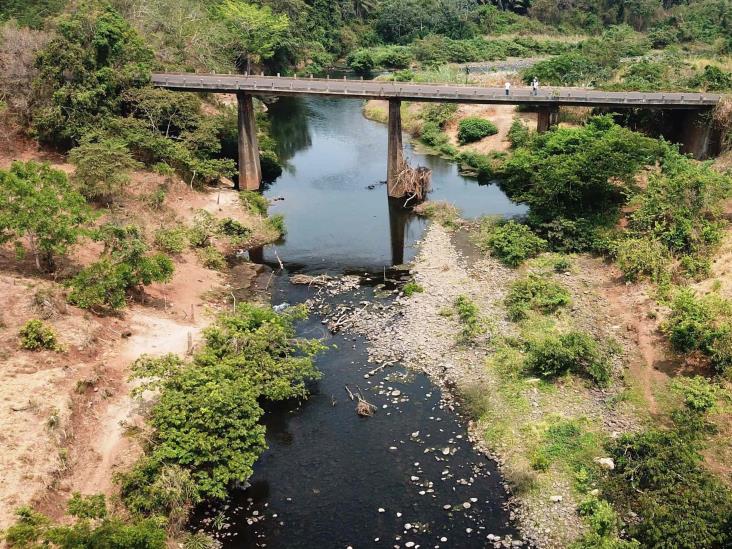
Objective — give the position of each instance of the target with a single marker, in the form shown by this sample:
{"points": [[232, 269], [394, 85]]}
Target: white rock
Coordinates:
{"points": [[556, 499], [382, 510], [467, 505], [443, 539], [606, 463], [446, 451]]}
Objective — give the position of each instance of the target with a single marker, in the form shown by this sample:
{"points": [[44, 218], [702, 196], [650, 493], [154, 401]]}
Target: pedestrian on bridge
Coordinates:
{"points": [[535, 86], [508, 88]]}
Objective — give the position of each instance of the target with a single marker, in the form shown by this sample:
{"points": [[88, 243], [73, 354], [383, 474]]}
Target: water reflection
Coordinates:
{"points": [[336, 211]]}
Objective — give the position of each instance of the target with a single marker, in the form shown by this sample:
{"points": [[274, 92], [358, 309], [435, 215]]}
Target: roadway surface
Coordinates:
{"points": [[443, 93]]}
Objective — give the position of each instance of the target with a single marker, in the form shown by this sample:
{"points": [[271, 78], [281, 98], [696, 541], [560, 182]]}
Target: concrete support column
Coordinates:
{"points": [[698, 136], [250, 170], [548, 118], [395, 155]]}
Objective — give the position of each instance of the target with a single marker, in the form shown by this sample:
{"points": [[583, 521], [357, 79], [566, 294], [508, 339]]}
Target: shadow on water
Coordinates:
{"points": [[331, 478]]}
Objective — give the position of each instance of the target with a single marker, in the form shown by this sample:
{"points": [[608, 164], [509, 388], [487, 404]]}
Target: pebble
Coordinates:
{"points": [[467, 505], [382, 510], [556, 499]]}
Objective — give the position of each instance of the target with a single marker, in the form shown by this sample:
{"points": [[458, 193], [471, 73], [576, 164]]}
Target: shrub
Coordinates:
{"points": [[361, 61], [93, 527], [211, 258], [518, 134], [444, 213], [474, 129], [277, 223], [102, 168], [571, 352], [535, 293], [234, 230], [36, 335], [203, 229], [639, 258], [511, 242], [438, 113], [124, 265], [171, 240], [254, 202], [712, 79], [698, 393], [411, 288], [39, 206], [206, 420], [469, 316]]}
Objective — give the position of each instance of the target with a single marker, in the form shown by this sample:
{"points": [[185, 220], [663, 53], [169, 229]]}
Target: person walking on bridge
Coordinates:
{"points": [[508, 88], [535, 86]]}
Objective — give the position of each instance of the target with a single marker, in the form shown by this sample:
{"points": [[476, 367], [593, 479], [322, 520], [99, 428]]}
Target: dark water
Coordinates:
{"points": [[329, 473]]}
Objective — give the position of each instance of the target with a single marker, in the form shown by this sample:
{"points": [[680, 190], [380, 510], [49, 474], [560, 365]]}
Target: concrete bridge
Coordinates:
{"points": [[697, 135]]}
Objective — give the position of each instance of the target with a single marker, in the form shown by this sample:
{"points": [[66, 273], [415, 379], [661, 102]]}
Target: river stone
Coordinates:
{"points": [[556, 499], [606, 463]]}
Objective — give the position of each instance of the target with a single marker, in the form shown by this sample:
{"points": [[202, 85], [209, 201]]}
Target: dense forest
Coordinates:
{"points": [[74, 78]]}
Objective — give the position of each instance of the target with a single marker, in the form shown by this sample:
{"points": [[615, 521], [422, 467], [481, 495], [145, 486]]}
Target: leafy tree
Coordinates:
{"points": [[255, 32], [39, 206], [124, 265], [84, 70], [474, 129], [94, 526], [102, 168]]}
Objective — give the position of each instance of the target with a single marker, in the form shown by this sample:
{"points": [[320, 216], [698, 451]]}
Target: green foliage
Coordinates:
{"points": [[361, 61], [254, 202], [232, 228], [84, 70], [277, 223], [469, 317], [577, 173], [102, 168], [206, 419], [125, 265], [411, 288], [535, 293], [444, 213], [211, 258], [93, 527], [566, 442], [642, 257], [604, 527], [699, 394], [438, 113], [36, 335], [567, 69], [39, 206], [203, 229], [701, 324], [659, 476], [171, 240], [571, 352], [474, 129], [518, 134], [712, 79], [255, 32], [511, 242]]}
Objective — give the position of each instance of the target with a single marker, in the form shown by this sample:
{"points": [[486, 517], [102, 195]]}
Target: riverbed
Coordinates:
{"points": [[408, 476]]}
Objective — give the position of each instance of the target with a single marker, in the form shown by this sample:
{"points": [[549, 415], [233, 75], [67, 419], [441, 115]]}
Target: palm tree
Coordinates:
{"points": [[364, 7]]}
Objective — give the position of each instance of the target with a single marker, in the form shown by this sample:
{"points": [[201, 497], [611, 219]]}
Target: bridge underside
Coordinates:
{"points": [[689, 113]]}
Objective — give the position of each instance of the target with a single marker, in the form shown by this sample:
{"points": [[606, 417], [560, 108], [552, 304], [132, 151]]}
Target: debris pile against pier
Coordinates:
{"points": [[414, 183]]}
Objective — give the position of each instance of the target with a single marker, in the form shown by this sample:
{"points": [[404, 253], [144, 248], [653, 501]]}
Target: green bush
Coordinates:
{"points": [[277, 223], [361, 61], [36, 335], [206, 420], [102, 168], [535, 293], [511, 242], [211, 258], [125, 265], [203, 229], [640, 258], [474, 129], [571, 352], [232, 228], [254, 202], [469, 317], [712, 79], [438, 113], [699, 394], [93, 527], [172, 240], [411, 288], [518, 134]]}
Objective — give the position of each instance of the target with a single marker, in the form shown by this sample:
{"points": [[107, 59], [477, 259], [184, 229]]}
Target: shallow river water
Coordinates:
{"points": [[406, 477]]}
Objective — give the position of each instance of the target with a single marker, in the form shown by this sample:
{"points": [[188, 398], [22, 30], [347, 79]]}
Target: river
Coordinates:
{"points": [[406, 477]]}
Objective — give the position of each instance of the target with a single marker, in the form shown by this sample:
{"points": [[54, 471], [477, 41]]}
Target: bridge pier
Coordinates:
{"points": [[395, 154], [250, 169], [699, 137], [547, 119]]}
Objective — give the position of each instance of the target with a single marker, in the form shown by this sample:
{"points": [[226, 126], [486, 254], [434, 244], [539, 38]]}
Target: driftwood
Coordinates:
{"points": [[309, 280], [363, 407], [414, 183]]}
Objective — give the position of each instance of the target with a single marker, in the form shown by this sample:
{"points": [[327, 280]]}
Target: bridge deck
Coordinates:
{"points": [[443, 93]]}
